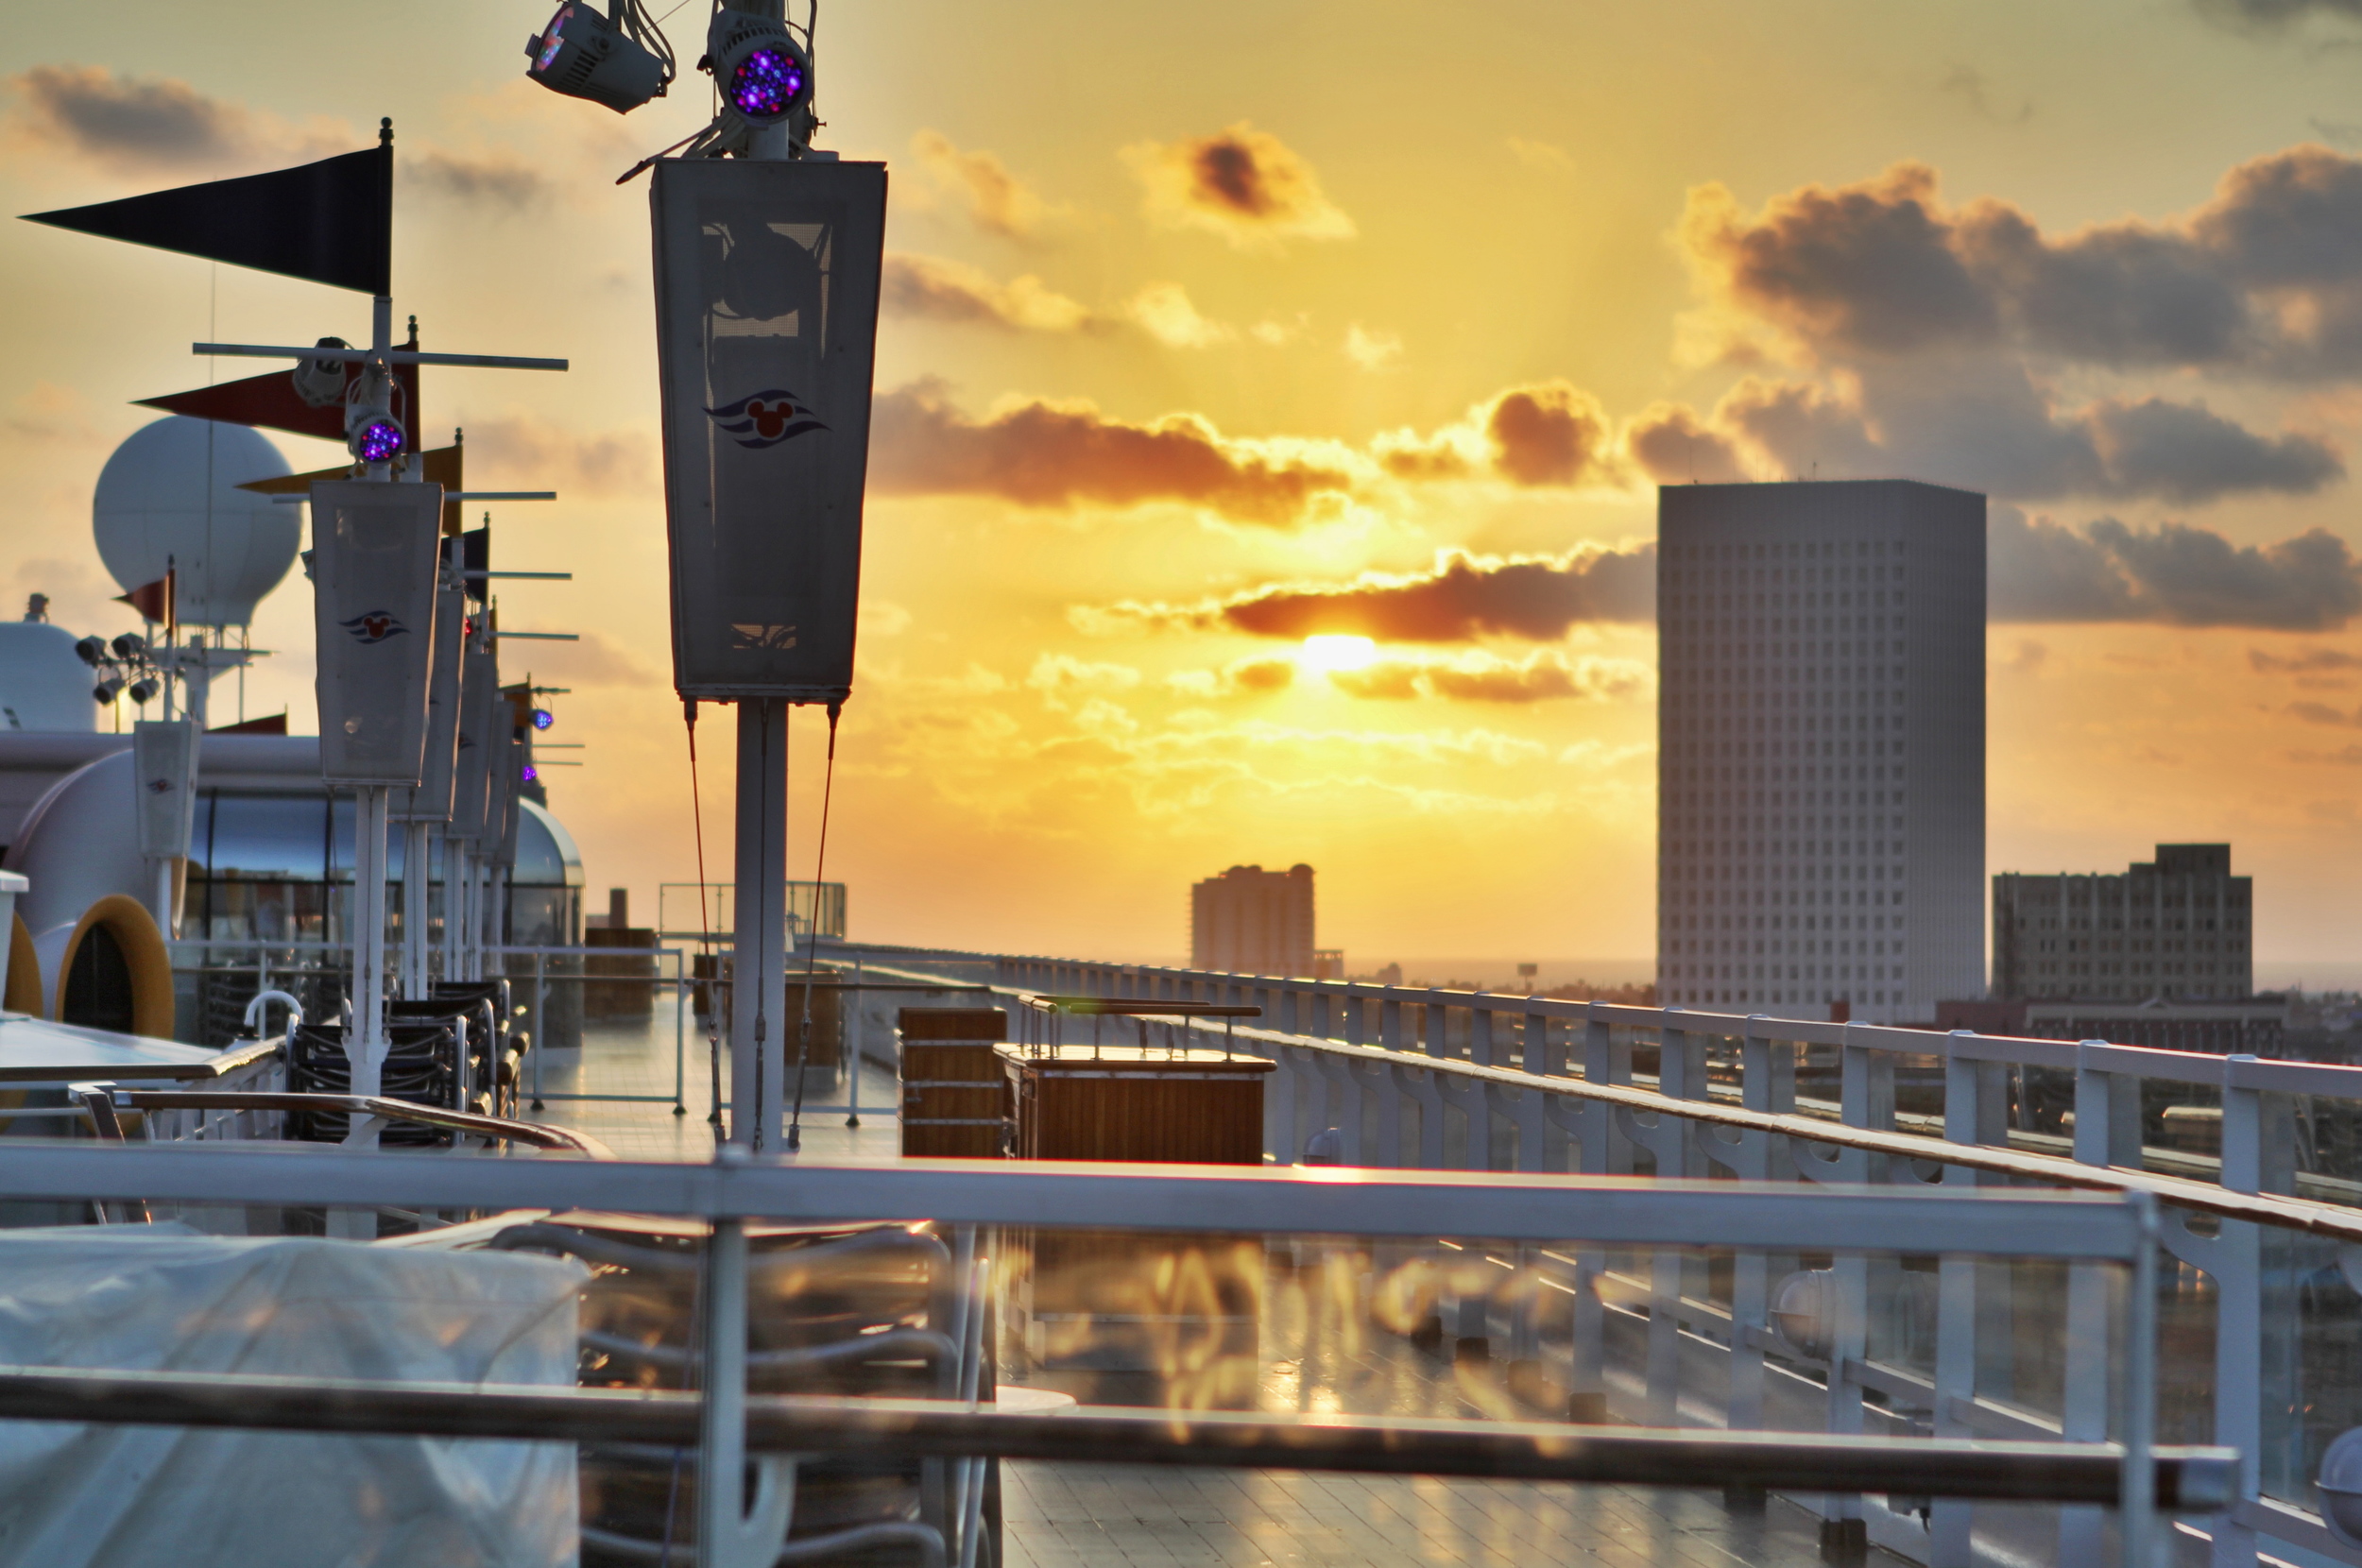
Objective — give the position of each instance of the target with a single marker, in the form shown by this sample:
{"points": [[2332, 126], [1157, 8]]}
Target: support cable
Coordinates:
{"points": [[811, 940], [705, 927]]}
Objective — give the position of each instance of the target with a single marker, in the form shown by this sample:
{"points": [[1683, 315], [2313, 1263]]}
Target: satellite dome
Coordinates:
{"points": [[152, 509], [44, 684]]}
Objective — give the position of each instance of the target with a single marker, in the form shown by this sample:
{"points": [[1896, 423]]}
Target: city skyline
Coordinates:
{"points": [[1157, 445]]}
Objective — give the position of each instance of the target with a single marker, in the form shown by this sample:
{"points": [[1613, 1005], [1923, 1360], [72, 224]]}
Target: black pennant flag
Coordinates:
{"points": [[331, 221]]}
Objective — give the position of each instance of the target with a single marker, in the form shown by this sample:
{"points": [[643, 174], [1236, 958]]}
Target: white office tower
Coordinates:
{"points": [[1821, 786]]}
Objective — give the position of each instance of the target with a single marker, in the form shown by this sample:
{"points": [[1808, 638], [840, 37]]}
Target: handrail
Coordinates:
{"points": [[535, 1134], [2189, 1478], [2333, 1223], [1136, 1007], [2027, 1049], [2343, 1225]]}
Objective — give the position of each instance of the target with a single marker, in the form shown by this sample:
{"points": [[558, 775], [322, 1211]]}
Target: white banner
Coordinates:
{"points": [[766, 287], [373, 618], [163, 764], [432, 800], [482, 716]]}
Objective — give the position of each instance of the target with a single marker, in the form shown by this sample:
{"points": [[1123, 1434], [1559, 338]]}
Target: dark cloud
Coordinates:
{"points": [[1464, 597], [1984, 424], [499, 180], [2273, 16], [2322, 713], [2305, 661], [2174, 574], [1044, 454], [1864, 270], [1242, 183], [1551, 434], [2183, 452], [1673, 447], [2264, 276], [147, 124]]}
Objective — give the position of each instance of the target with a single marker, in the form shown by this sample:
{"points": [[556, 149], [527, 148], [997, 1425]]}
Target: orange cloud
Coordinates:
{"points": [[1463, 597], [1482, 678], [1063, 454], [996, 199], [1242, 183], [936, 289]]}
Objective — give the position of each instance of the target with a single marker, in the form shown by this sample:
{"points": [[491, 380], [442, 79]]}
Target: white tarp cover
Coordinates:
{"points": [[162, 1298]]}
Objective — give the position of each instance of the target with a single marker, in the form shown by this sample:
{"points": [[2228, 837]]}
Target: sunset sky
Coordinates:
{"points": [[1210, 330]]}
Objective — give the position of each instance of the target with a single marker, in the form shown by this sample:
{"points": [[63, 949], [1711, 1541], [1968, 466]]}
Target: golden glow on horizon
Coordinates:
{"points": [[1329, 652]]}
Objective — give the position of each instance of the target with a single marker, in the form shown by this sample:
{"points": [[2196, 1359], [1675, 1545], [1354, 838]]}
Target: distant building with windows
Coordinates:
{"points": [[2177, 928], [1249, 921], [1821, 795]]}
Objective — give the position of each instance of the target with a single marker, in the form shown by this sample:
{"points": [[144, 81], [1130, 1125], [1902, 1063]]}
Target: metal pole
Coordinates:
{"points": [[759, 950], [414, 917], [365, 1045], [722, 1436], [681, 1028], [451, 852], [2136, 1516], [540, 1036]]}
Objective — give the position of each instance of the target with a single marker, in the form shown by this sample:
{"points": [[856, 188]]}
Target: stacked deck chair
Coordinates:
{"points": [[872, 1310], [471, 1085], [495, 1072], [422, 1068]]}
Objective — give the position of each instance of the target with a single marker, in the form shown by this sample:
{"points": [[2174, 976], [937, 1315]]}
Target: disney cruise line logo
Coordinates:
{"points": [[765, 419]]}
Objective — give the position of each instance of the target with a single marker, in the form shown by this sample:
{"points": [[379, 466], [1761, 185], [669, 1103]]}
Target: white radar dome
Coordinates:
{"points": [[43, 682], [170, 495]]}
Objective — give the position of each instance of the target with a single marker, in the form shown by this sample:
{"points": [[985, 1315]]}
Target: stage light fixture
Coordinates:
{"points": [[130, 645], [543, 717], [107, 690], [374, 437], [604, 59], [765, 74], [91, 651], [531, 773], [320, 383], [145, 688]]}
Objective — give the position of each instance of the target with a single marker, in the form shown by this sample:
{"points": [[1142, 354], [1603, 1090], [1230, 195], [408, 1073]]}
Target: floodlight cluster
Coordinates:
{"points": [[766, 84], [379, 440]]}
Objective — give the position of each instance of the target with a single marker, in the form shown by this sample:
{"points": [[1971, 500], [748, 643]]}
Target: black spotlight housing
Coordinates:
{"points": [[107, 690], [130, 645], [143, 689], [91, 651], [585, 55]]}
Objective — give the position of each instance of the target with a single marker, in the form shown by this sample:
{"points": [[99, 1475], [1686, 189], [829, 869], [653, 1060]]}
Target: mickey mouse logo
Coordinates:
{"points": [[374, 626], [765, 419]]}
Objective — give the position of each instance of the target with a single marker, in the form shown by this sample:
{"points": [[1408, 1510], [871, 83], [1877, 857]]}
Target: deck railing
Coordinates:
{"points": [[2264, 1228], [2107, 1240]]}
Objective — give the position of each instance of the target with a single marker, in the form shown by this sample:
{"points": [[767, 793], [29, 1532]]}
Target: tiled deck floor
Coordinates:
{"points": [[1124, 1516]]}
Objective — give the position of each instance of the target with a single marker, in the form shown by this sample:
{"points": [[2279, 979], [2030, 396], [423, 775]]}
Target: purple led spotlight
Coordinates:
{"points": [[766, 84], [378, 441], [531, 773]]}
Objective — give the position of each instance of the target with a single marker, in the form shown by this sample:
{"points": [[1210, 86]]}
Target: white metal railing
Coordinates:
{"points": [[1427, 1079], [1601, 1219]]}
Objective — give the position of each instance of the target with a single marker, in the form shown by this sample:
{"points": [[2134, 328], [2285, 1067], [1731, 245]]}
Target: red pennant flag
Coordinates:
{"points": [[153, 600]]}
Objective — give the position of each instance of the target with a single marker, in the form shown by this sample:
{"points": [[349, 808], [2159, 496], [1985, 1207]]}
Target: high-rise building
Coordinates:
{"points": [[2177, 927], [1820, 785], [1249, 921]]}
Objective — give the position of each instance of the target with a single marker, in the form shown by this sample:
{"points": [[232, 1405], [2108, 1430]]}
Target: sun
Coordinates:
{"points": [[1323, 655]]}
